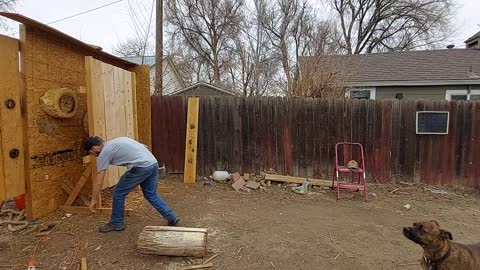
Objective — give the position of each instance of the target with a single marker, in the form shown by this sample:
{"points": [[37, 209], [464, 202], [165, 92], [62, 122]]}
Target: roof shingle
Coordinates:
{"points": [[429, 65]]}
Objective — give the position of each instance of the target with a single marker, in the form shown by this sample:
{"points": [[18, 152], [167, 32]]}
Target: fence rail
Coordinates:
{"points": [[296, 136]]}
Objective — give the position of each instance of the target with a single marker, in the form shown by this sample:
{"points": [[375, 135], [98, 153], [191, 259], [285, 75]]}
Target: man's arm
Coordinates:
{"points": [[97, 187]]}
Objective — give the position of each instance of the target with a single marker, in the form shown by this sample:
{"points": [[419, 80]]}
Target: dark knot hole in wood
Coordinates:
{"points": [[10, 103], [192, 126], [67, 103], [14, 153]]}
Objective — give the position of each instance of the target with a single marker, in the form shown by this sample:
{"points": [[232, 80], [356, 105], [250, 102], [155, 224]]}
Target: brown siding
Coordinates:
{"points": [[416, 92], [296, 136]]}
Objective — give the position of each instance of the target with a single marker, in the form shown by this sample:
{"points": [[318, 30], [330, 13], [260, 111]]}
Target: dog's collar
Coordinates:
{"points": [[432, 264]]}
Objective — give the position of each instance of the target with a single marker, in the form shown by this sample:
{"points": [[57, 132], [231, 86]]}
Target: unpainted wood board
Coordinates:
{"points": [[111, 119], [145, 115], [130, 122], [119, 111], [83, 263], [26, 73], [142, 104], [78, 187], [11, 121], [297, 180], [190, 171], [68, 188], [95, 103]]}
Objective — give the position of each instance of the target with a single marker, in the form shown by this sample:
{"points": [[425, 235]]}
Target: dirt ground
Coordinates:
{"points": [[269, 229]]}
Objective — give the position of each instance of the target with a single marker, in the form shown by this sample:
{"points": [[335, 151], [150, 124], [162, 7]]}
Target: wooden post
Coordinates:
{"points": [[190, 169]]}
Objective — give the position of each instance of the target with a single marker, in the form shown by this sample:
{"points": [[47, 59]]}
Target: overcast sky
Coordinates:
{"points": [[108, 25]]}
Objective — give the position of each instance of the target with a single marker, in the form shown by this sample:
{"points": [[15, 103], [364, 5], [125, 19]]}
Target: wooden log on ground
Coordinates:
{"points": [[297, 180], [173, 241]]}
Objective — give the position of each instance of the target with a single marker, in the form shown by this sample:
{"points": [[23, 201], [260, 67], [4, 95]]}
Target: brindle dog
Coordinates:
{"points": [[439, 251]]}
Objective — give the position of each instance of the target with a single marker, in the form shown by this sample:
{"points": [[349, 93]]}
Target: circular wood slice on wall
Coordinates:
{"points": [[60, 103]]}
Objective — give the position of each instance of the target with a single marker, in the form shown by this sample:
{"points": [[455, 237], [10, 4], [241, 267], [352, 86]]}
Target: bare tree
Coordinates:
{"points": [[254, 62], [7, 6], [392, 25], [294, 30], [133, 47], [322, 77], [208, 28]]}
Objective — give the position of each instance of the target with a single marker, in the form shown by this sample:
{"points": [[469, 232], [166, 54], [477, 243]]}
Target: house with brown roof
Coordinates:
{"points": [[446, 74], [202, 89]]}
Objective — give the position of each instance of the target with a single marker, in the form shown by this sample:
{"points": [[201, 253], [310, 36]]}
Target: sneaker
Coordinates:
{"points": [[109, 227], [174, 223]]}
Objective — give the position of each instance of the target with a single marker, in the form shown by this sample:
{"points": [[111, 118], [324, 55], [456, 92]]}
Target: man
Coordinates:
{"points": [[142, 169]]}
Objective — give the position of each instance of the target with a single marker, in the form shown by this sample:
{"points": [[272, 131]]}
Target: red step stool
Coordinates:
{"points": [[361, 184]]}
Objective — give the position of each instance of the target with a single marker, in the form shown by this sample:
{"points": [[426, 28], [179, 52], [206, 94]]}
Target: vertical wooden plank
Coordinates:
{"points": [[95, 98], [409, 145], [190, 171], [237, 135], [95, 106], [13, 182], [323, 140], [25, 51], [129, 97], [120, 77], [145, 119], [475, 142], [279, 112], [141, 104], [111, 120], [11, 120]]}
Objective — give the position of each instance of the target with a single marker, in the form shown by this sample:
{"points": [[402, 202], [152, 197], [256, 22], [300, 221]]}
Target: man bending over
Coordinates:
{"points": [[142, 169]]}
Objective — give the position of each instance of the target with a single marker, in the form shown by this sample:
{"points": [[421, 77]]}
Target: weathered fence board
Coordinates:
{"points": [[296, 136]]}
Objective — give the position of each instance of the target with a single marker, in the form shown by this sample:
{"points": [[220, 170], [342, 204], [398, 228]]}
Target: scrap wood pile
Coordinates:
{"points": [[249, 182], [15, 221]]}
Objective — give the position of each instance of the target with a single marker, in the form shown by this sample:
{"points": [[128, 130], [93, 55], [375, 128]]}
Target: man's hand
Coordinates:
{"points": [[92, 205]]}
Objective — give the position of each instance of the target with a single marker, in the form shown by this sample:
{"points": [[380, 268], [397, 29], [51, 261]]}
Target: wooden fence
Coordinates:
{"points": [[296, 136]]}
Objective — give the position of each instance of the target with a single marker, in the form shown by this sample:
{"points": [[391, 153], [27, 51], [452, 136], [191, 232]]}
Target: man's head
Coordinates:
{"points": [[93, 145]]}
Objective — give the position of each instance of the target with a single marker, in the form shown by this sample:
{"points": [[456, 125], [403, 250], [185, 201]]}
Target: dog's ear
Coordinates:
{"points": [[434, 221], [446, 234]]}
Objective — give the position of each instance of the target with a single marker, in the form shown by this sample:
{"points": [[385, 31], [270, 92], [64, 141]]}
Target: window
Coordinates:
{"points": [[432, 122], [462, 95], [361, 93]]}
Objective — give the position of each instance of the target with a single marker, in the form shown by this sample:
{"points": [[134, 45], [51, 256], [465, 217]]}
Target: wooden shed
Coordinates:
{"points": [[54, 91]]}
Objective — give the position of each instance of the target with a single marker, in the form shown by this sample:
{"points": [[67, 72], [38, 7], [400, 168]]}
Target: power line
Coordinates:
{"points": [[84, 12]]}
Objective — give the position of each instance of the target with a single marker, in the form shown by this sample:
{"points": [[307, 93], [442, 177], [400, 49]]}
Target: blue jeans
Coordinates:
{"points": [[147, 178]]}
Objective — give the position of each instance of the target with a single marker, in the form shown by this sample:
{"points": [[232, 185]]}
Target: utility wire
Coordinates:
{"points": [[84, 12]]}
